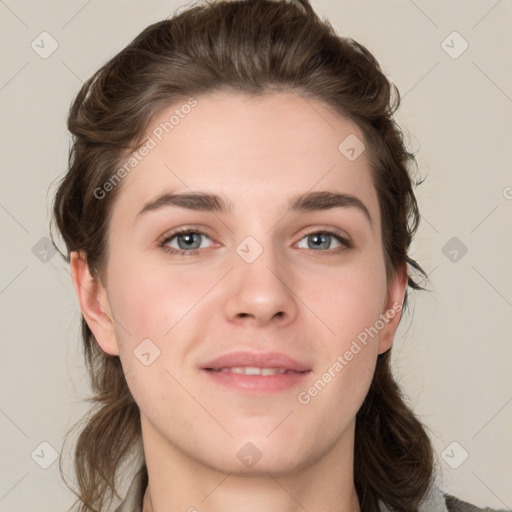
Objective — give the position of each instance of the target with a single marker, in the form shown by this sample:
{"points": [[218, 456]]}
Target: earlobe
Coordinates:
{"points": [[94, 304], [393, 309]]}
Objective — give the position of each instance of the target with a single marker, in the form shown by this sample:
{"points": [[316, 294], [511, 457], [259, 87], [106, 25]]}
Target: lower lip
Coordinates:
{"points": [[257, 383]]}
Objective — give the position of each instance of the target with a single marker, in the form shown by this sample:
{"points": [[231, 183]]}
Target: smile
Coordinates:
{"points": [[251, 370]]}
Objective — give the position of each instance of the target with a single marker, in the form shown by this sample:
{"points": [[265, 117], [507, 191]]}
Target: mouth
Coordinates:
{"points": [[256, 373], [252, 370]]}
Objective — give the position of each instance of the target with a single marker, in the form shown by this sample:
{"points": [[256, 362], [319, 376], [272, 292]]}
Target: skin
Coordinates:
{"points": [[308, 302]]}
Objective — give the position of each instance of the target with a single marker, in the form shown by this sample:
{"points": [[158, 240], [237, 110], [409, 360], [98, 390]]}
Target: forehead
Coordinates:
{"points": [[261, 148]]}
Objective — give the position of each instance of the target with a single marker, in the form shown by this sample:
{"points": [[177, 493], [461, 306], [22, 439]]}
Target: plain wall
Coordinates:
{"points": [[453, 352]]}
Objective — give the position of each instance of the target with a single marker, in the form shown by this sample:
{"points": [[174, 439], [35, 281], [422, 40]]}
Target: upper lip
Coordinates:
{"points": [[256, 360]]}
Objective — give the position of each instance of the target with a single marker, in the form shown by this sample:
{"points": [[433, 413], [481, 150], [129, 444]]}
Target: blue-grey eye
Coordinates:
{"points": [[321, 240], [190, 240]]}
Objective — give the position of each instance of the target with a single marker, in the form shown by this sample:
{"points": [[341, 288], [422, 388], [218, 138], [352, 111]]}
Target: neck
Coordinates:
{"points": [[179, 483]]}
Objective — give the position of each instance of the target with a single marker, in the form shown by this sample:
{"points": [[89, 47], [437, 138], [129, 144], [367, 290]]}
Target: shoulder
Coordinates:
{"points": [[455, 505]]}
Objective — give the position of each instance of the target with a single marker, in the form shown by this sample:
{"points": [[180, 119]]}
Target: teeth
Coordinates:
{"points": [[249, 370], [272, 371]]}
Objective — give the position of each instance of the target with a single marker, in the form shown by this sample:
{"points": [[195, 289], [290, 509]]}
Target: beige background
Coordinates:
{"points": [[453, 358]]}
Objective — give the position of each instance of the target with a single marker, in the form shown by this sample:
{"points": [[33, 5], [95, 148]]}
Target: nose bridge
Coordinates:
{"points": [[258, 263], [259, 286]]}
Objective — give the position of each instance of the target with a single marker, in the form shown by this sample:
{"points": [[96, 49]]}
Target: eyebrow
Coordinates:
{"points": [[307, 202]]}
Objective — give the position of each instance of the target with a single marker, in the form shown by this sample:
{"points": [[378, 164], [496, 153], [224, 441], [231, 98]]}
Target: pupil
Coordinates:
{"points": [[319, 239], [189, 239]]}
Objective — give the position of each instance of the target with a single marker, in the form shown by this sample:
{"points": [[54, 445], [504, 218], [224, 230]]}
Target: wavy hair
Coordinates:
{"points": [[253, 47]]}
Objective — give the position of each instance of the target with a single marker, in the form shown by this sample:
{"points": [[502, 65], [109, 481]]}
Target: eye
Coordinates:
{"points": [[324, 239], [188, 242]]}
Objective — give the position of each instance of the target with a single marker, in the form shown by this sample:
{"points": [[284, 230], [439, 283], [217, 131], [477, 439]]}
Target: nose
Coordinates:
{"points": [[261, 292]]}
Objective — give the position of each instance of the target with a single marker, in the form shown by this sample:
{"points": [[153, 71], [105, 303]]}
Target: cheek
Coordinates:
{"points": [[349, 300], [350, 306], [149, 302]]}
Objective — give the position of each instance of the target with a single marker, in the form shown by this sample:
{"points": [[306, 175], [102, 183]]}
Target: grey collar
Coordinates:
{"points": [[433, 501]]}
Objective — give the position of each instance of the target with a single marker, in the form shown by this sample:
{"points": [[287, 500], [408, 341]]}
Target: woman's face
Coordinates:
{"points": [[277, 274]]}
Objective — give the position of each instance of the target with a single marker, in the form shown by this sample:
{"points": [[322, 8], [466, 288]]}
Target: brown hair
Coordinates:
{"points": [[252, 47]]}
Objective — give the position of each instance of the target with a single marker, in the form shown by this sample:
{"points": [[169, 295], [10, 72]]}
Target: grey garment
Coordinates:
{"points": [[434, 500], [135, 494], [456, 505]]}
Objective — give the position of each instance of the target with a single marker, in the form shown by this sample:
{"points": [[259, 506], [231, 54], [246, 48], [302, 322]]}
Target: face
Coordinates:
{"points": [[255, 331]]}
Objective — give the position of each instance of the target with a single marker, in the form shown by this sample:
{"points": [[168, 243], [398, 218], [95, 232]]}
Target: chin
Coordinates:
{"points": [[273, 463], [257, 455]]}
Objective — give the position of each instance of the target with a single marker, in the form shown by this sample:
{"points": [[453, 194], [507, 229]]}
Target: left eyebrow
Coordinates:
{"points": [[325, 200], [309, 201]]}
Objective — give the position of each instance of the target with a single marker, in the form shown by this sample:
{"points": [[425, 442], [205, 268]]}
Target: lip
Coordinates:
{"points": [[258, 360], [256, 384]]}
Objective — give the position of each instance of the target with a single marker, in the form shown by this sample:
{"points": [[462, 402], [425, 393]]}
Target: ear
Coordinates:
{"points": [[94, 303], [393, 309]]}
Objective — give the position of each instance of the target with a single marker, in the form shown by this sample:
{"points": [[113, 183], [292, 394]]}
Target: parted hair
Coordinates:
{"points": [[253, 47]]}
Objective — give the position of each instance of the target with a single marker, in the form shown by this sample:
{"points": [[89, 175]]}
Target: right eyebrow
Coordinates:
{"points": [[194, 201]]}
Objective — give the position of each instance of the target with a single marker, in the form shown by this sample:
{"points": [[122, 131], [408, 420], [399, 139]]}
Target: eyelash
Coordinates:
{"points": [[181, 252]]}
